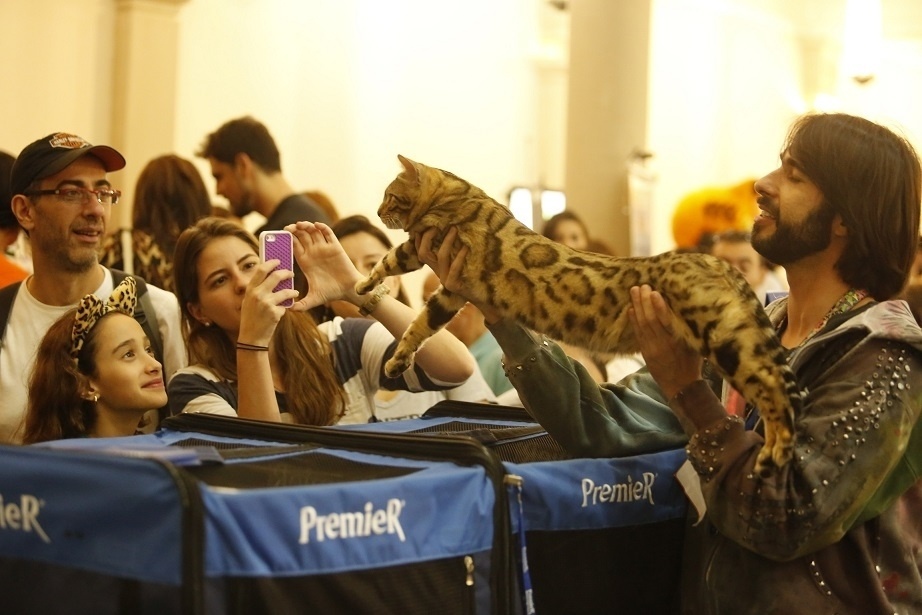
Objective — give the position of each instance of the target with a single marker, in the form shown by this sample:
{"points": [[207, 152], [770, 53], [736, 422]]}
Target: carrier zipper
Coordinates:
{"points": [[515, 483], [468, 605]]}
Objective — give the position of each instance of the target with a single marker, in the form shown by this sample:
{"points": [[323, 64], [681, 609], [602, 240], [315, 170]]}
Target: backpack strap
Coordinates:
{"points": [[144, 312], [146, 316], [7, 297]]}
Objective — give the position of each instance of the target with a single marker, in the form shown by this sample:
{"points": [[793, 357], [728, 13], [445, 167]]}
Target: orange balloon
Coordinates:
{"points": [[713, 210]]}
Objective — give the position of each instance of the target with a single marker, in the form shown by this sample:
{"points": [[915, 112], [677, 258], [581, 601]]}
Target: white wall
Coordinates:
{"points": [[345, 85], [727, 78], [56, 69]]}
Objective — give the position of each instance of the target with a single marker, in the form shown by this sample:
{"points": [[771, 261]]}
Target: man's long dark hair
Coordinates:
{"points": [[871, 177]]}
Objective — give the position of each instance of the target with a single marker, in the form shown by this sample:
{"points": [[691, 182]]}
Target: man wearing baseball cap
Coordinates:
{"points": [[63, 199]]}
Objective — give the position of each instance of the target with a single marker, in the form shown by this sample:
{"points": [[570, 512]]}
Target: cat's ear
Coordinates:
{"points": [[410, 168]]}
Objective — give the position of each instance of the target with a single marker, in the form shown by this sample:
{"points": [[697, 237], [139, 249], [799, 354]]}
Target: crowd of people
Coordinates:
{"points": [[105, 333]]}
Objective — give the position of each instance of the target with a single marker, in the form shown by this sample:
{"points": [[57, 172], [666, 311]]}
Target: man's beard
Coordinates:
{"points": [[244, 206], [70, 258], [792, 242]]}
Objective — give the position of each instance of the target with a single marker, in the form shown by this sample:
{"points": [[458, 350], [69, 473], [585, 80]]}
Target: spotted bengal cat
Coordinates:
{"points": [[581, 297]]}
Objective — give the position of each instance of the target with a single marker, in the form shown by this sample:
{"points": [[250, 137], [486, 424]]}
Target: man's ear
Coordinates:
{"points": [[243, 164], [838, 227], [24, 210]]}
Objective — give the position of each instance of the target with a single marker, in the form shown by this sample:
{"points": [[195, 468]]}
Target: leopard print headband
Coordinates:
{"points": [[123, 299]]}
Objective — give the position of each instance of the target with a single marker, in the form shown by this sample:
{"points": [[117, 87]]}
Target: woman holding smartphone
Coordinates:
{"points": [[252, 358]]}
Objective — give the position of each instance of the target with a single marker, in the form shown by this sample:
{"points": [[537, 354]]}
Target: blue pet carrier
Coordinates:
{"points": [[187, 522], [601, 535]]}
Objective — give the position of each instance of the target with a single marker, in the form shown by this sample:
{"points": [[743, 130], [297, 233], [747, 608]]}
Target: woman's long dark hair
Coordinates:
{"points": [[313, 392], [169, 197]]}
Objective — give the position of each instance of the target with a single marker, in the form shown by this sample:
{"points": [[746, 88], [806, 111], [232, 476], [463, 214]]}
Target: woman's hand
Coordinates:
{"points": [[671, 361], [329, 272], [260, 310], [448, 264]]}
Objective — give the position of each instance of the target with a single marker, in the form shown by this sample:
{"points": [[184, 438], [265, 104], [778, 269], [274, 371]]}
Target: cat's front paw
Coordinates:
{"points": [[363, 286], [396, 366]]}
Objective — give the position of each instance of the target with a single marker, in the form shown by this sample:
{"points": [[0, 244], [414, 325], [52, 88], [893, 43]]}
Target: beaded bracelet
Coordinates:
{"points": [[369, 306], [244, 346]]}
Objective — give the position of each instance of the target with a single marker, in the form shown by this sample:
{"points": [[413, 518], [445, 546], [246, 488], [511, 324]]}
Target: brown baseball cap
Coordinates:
{"points": [[51, 154]]}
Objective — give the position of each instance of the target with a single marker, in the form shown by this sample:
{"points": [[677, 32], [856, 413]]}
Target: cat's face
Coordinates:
{"points": [[400, 195], [392, 211], [419, 191]]}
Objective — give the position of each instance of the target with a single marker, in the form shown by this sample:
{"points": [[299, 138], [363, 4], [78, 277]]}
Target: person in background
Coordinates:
{"points": [[567, 228], [63, 198], [469, 327], [365, 244], [246, 165], [169, 197], [10, 271], [324, 202], [570, 230], [295, 370], [838, 528], [95, 374], [736, 248]]}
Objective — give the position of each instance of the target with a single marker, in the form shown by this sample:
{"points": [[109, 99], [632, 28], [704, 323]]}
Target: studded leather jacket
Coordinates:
{"points": [[837, 530]]}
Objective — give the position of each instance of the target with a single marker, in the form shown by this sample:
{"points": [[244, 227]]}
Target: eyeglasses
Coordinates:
{"points": [[78, 196]]}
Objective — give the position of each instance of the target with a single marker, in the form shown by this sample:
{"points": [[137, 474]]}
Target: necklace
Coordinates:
{"points": [[845, 303]]}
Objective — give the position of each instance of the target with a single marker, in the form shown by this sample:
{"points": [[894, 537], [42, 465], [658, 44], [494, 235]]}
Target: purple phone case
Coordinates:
{"points": [[278, 244]]}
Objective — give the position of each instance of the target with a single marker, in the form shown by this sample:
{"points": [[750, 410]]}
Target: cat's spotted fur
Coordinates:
{"points": [[581, 297]]}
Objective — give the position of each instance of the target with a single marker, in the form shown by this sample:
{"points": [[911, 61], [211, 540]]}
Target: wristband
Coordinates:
{"points": [[243, 346], [369, 306]]}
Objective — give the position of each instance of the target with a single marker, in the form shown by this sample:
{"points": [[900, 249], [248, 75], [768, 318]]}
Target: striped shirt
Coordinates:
{"points": [[360, 347]]}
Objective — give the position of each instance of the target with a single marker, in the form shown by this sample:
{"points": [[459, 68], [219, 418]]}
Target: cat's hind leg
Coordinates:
{"points": [[439, 309], [778, 400], [779, 437]]}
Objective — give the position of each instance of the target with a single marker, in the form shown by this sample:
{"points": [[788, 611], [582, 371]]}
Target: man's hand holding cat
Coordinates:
{"points": [[671, 361], [448, 264]]}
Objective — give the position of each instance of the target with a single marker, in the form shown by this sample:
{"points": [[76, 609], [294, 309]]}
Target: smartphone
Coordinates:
{"points": [[280, 245]]}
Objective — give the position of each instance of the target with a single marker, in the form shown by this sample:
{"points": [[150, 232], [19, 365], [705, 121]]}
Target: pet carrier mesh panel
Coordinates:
{"points": [[601, 535], [184, 522]]}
